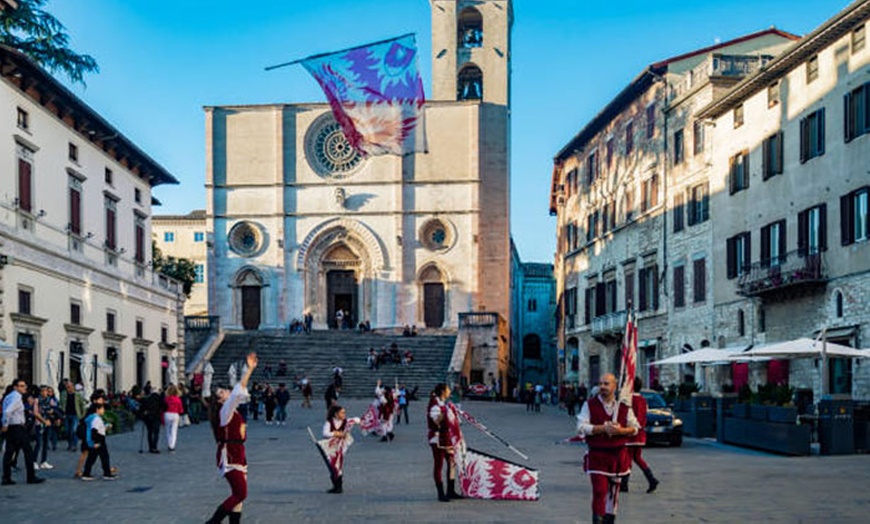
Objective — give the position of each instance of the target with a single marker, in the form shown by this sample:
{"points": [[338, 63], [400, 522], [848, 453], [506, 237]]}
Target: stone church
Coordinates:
{"points": [[298, 221]]}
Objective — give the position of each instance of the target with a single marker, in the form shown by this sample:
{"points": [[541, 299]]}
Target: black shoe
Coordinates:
{"points": [[391, 435], [653, 484], [155, 451], [36, 480], [451, 490], [219, 515], [8, 482], [441, 496], [384, 438]]}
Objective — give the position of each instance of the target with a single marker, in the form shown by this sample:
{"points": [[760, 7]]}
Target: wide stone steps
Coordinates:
{"points": [[318, 353]]}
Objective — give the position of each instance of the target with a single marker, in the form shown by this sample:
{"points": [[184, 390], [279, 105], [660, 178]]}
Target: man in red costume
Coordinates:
{"points": [[606, 425], [445, 439], [230, 434], [636, 443]]}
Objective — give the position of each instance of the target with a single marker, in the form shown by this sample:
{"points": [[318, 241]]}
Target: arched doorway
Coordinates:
{"points": [[433, 297], [250, 284], [340, 264]]}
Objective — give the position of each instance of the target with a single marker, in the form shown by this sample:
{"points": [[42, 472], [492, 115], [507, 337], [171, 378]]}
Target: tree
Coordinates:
{"points": [[42, 37], [181, 269]]}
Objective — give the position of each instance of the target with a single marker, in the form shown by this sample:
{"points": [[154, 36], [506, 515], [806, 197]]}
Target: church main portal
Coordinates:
{"points": [[341, 295]]}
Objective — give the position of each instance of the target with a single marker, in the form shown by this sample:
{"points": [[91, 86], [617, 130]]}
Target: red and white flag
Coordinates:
{"points": [[370, 421], [484, 476], [628, 368], [376, 95]]}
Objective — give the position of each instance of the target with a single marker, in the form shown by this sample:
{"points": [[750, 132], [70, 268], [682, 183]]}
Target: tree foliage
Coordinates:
{"points": [[39, 35], [180, 269]]}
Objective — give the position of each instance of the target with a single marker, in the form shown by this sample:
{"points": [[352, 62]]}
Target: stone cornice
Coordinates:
{"points": [[166, 346], [141, 342], [78, 329], [21, 318], [111, 336]]}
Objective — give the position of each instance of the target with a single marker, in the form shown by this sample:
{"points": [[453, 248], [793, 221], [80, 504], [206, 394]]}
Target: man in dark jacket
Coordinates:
{"points": [[150, 410]]}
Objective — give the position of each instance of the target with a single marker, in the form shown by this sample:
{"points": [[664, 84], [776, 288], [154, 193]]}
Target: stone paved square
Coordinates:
{"points": [[391, 482]]}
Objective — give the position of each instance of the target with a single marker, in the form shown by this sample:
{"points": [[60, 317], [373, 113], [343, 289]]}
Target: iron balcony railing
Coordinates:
{"points": [[795, 268], [609, 324], [482, 319]]}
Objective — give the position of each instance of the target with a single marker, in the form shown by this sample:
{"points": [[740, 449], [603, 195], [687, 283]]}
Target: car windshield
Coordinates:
{"points": [[654, 400]]}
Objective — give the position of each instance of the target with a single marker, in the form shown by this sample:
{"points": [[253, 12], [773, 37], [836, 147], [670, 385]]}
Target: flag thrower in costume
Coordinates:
{"points": [[332, 450], [628, 368], [474, 422], [376, 94]]}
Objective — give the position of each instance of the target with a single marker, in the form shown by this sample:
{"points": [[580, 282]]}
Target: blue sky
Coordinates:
{"points": [[162, 62]]}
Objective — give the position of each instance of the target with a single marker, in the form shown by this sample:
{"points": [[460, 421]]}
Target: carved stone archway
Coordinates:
{"points": [[249, 301], [341, 246], [433, 291]]}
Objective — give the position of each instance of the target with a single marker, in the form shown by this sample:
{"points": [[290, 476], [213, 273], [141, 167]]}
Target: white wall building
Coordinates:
{"points": [[184, 236], [75, 218]]}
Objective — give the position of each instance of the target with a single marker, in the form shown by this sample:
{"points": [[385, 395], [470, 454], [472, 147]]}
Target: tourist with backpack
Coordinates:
{"points": [[95, 438]]}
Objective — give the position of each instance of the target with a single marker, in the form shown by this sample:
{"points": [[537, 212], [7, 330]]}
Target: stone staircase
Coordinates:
{"points": [[316, 354]]}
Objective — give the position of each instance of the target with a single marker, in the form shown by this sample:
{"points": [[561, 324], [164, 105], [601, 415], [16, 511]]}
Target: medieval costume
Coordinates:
{"points": [[230, 434], [386, 405], [445, 439], [636, 443], [607, 460], [336, 440]]}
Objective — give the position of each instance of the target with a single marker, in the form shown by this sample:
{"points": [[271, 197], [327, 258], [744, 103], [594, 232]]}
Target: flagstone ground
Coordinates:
{"points": [[391, 482]]}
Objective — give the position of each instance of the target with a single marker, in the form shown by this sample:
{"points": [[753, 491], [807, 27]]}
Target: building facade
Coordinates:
{"points": [[610, 193], [302, 223], [789, 188], [78, 298], [184, 236]]}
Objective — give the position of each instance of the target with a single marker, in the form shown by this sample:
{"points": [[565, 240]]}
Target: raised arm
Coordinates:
{"points": [[252, 363]]}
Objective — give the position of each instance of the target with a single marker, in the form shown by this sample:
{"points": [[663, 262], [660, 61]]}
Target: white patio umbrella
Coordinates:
{"points": [[801, 348], [207, 375], [702, 356]]}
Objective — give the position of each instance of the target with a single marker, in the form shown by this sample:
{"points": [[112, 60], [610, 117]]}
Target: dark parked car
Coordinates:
{"points": [[662, 426]]}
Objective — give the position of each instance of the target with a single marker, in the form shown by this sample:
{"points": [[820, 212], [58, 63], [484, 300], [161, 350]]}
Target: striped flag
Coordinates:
{"points": [[376, 95], [628, 368]]}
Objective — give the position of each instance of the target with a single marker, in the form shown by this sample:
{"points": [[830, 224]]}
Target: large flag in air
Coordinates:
{"points": [[484, 476], [376, 95], [629, 360]]}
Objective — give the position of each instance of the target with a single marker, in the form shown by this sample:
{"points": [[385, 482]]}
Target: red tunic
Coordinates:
{"points": [[639, 406], [231, 444], [607, 455]]}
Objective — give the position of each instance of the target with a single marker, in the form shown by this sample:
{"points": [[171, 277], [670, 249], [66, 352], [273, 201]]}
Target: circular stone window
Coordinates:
{"points": [[246, 239], [328, 151], [436, 235]]}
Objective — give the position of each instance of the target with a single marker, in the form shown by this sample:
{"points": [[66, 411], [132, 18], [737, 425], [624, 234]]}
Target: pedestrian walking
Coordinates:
{"points": [[636, 444], [228, 427], [95, 439], [607, 425], [73, 405], [172, 416], [17, 436], [282, 400]]}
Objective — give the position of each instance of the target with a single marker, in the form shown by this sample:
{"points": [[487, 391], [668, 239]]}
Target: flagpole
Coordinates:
{"points": [[319, 55]]}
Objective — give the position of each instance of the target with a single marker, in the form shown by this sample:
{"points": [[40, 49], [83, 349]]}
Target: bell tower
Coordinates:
{"points": [[471, 50]]}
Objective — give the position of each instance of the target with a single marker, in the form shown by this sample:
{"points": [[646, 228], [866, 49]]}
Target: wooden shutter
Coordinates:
{"points": [[847, 219], [629, 290], [642, 288], [731, 257], [745, 174], [732, 178], [780, 153], [820, 123], [803, 233], [782, 240], [848, 118], [747, 251], [766, 165], [699, 277], [765, 246], [75, 211], [705, 203], [823, 227], [140, 243], [110, 228], [805, 140], [653, 273], [25, 198], [679, 286], [600, 299]]}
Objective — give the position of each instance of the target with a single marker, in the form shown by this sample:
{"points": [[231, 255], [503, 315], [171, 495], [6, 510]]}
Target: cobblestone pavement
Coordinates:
{"points": [[391, 482]]}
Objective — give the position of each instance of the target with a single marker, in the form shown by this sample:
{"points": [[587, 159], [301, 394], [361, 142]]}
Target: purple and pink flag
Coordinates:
{"points": [[376, 95]]}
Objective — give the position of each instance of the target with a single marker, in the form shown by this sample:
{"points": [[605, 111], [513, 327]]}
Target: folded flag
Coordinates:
{"points": [[376, 95], [370, 421]]}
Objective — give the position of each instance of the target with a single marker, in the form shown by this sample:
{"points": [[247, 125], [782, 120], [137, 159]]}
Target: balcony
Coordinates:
{"points": [[793, 272], [718, 66], [482, 319], [609, 326]]}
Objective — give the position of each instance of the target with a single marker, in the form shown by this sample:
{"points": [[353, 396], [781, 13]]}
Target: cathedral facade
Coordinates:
{"points": [[298, 221]]}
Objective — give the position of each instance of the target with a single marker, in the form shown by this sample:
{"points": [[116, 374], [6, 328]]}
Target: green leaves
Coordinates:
{"points": [[43, 38]]}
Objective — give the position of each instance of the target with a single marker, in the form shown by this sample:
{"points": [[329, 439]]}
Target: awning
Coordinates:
{"points": [[802, 348], [703, 356], [841, 332]]}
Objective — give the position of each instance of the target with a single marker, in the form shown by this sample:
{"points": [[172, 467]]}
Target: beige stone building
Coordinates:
{"points": [[78, 298], [301, 222], [610, 194], [789, 189], [184, 236]]}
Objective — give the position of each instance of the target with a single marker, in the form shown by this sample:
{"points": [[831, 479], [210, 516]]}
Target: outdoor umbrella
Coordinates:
{"points": [[702, 356], [801, 348]]}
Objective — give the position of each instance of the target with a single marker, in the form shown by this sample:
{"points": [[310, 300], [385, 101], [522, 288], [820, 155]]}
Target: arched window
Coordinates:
{"points": [[533, 305], [741, 323], [470, 28], [532, 347], [469, 84], [839, 304]]}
